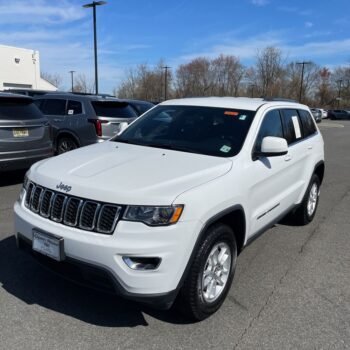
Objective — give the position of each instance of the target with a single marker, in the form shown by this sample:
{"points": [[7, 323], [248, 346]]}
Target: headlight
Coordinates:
{"points": [[154, 216], [25, 181], [24, 188]]}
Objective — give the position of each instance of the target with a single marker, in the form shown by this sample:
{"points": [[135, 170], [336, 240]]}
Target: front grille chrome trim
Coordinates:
{"points": [[94, 221], [65, 221], [100, 216], [59, 218], [103, 220]]}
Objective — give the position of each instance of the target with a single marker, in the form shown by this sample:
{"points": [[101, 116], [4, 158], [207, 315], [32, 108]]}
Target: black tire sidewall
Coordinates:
{"points": [[307, 217], [61, 140], [201, 309]]}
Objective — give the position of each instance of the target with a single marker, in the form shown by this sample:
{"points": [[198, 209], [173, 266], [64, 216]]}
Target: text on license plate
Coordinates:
{"points": [[47, 245], [20, 132]]}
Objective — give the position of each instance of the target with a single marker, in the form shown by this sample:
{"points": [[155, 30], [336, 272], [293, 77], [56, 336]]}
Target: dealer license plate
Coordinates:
{"points": [[48, 245], [20, 132]]}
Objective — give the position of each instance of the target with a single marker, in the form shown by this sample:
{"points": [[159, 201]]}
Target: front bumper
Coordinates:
{"points": [[23, 159], [96, 259]]}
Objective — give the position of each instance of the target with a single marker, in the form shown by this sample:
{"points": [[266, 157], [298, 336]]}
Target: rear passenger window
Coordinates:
{"points": [[293, 129], [74, 107], [54, 107], [309, 127], [271, 126]]}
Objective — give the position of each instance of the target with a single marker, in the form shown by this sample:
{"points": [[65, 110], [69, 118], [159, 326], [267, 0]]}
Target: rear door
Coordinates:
{"points": [[22, 126], [111, 115], [55, 110]]}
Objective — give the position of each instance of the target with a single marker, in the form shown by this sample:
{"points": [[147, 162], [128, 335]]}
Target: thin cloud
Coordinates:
{"points": [[40, 11], [260, 2]]}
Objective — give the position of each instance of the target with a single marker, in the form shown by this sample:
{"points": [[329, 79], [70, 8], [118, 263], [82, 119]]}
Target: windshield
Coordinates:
{"points": [[205, 130]]}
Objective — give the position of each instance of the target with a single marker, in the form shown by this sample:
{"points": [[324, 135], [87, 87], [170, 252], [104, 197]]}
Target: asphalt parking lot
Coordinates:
{"points": [[291, 290]]}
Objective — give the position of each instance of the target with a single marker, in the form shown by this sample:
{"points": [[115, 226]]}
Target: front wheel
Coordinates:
{"points": [[211, 273]]}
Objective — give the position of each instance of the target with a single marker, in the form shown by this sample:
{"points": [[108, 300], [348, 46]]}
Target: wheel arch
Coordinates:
{"points": [[235, 218], [319, 170]]}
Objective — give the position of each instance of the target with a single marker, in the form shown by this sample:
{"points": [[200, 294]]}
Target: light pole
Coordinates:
{"points": [[166, 82], [93, 5], [302, 78], [340, 82], [72, 78]]}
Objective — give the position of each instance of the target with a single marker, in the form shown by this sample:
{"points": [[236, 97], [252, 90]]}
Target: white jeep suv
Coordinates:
{"points": [[162, 210]]}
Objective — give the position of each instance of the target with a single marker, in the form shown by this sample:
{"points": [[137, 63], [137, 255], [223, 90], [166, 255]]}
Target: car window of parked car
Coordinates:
{"points": [[292, 125], [18, 109], [54, 107], [271, 126], [205, 130], [74, 107], [307, 122], [113, 109]]}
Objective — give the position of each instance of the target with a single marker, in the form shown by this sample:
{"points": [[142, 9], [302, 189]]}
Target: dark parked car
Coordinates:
{"points": [[317, 114], [338, 114], [25, 134], [139, 105], [81, 120]]}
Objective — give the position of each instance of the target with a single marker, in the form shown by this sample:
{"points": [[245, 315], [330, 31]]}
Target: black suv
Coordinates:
{"points": [[80, 120]]}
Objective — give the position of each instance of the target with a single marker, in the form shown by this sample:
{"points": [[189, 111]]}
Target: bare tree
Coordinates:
{"points": [[269, 71], [55, 79], [82, 84], [144, 82]]}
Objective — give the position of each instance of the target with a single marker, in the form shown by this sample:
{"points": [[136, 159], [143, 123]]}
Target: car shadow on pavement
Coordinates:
{"points": [[11, 178], [27, 280]]}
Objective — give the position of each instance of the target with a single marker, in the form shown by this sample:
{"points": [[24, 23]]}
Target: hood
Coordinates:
{"points": [[128, 174]]}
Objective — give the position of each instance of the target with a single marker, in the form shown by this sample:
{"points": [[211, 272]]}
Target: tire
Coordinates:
{"points": [[202, 296], [66, 144], [308, 207]]}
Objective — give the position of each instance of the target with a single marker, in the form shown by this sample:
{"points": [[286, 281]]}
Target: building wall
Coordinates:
{"points": [[20, 68]]}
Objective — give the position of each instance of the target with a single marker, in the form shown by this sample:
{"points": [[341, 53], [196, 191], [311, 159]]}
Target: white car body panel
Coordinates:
{"points": [[136, 175]]}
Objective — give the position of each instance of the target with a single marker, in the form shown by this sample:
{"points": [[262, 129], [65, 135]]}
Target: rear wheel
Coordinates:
{"points": [[307, 210], [66, 144], [211, 273]]}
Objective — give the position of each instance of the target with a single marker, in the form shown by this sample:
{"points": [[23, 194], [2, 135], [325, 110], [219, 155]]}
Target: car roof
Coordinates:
{"points": [[9, 95], [78, 97], [245, 103]]}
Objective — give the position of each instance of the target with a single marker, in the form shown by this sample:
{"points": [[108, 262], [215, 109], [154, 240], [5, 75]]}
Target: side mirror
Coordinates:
{"points": [[273, 147]]}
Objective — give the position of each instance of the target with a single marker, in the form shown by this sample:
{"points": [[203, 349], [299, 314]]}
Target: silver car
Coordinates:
{"points": [[25, 134], [81, 120]]}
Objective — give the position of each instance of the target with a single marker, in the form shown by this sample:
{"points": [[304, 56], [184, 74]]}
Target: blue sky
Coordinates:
{"points": [[144, 31]]}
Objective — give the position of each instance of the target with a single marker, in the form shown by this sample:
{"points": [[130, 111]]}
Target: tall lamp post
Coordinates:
{"points": [[302, 78], [340, 83], [93, 5], [166, 68], [72, 78]]}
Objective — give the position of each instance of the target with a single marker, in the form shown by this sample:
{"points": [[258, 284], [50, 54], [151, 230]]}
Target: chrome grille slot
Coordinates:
{"points": [[46, 203], [35, 200], [72, 211], [57, 207], [107, 218], [88, 215], [29, 194]]}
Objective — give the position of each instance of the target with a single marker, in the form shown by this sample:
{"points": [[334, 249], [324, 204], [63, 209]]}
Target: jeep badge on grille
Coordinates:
{"points": [[63, 187]]}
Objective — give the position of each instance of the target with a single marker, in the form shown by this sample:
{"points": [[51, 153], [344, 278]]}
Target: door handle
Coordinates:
{"points": [[287, 158], [57, 120], [309, 147]]}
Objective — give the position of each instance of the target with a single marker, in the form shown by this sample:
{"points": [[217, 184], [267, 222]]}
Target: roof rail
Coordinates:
{"points": [[279, 99]]}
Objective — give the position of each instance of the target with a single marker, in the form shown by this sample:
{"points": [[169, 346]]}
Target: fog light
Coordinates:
{"points": [[141, 263]]}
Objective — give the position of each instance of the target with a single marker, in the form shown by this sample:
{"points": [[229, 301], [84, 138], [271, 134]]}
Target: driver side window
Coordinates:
{"points": [[271, 126]]}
